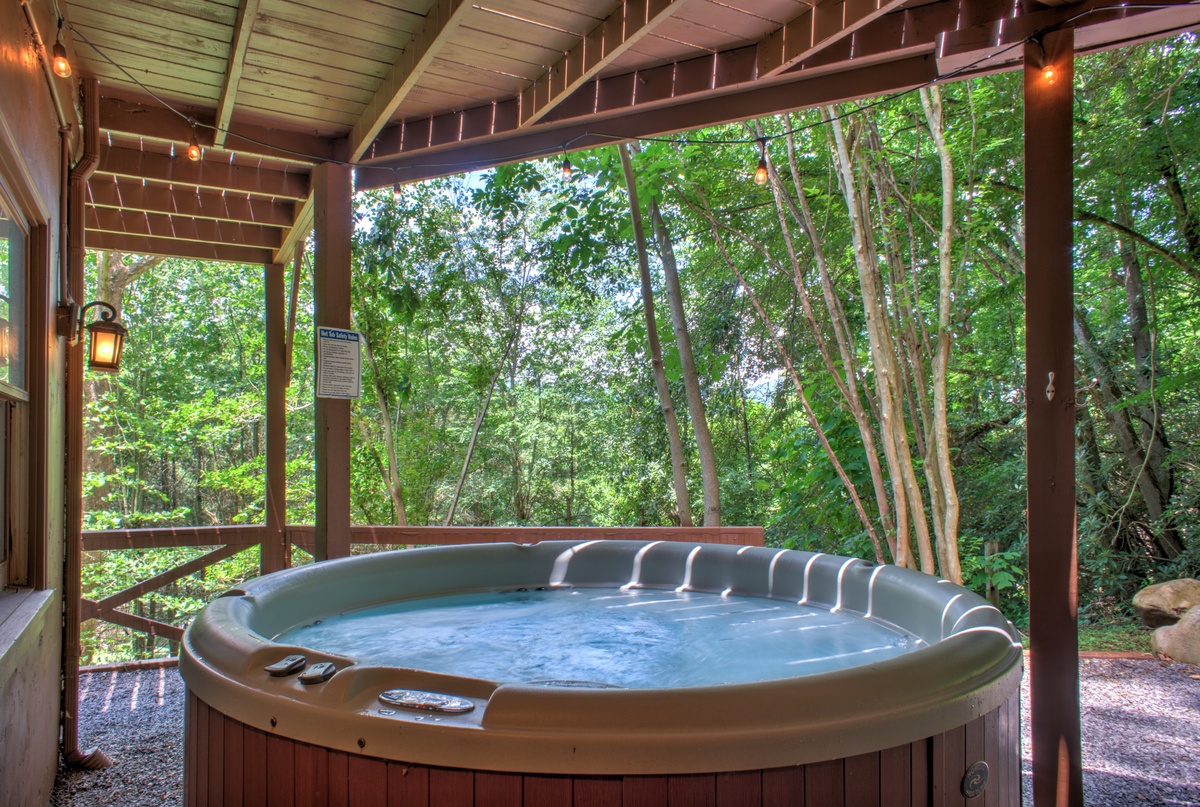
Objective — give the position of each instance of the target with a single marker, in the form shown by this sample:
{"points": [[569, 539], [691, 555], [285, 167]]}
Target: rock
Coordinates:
{"points": [[1180, 641], [1164, 603]]}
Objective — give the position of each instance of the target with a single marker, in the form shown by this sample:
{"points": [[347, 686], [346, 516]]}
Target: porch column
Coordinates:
{"points": [[1050, 429], [331, 296], [276, 552]]}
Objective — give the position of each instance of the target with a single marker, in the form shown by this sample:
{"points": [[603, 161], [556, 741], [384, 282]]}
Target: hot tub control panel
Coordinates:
{"points": [[427, 701]]}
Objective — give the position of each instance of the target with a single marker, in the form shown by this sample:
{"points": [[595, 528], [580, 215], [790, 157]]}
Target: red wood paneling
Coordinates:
{"points": [[740, 789], [368, 782], [408, 785], [895, 777], [451, 788], [547, 791], [692, 790], [281, 771], [498, 789], [254, 766], [230, 764], [862, 779], [824, 783], [235, 754], [783, 787], [609, 791]]}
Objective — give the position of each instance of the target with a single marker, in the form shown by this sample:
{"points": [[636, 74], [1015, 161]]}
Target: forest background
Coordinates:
{"points": [[835, 354]]}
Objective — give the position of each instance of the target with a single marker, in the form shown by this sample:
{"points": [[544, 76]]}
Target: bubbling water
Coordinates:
{"points": [[635, 638]]}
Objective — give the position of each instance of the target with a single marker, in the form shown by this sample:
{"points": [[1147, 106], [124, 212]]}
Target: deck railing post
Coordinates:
{"points": [[331, 308], [276, 554], [1050, 427]]}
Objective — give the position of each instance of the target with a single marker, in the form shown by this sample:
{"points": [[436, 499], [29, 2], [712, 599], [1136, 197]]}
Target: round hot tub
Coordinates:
{"points": [[602, 672]]}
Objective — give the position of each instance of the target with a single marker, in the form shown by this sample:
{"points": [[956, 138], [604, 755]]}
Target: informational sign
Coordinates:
{"points": [[339, 363]]}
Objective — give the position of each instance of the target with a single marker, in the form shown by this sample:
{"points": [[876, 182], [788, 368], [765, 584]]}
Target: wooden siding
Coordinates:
{"points": [[227, 762]]}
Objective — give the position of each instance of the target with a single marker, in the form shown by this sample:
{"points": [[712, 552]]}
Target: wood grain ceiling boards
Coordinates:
{"points": [[388, 83]]}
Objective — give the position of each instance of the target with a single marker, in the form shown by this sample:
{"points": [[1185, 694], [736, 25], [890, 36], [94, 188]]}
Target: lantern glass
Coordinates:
{"points": [[108, 339]]}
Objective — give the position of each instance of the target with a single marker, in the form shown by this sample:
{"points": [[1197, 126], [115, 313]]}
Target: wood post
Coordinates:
{"points": [[331, 303], [1050, 430], [276, 553]]}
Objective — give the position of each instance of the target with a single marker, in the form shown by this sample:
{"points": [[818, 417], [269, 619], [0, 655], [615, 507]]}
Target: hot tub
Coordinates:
{"points": [[603, 672]]}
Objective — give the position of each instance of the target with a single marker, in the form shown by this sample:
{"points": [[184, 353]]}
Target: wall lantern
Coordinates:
{"points": [[108, 335]]}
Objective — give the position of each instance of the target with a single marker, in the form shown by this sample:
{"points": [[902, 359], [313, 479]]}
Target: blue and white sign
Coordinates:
{"points": [[339, 363]]}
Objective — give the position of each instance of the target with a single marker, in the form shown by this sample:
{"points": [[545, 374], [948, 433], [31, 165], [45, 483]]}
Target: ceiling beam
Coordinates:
{"points": [[159, 225], [817, 28], [642, 103], [233, 73], [174, 248], [299, 232], [603, 45], [207, 173], [130, 117], [702, 110], [109, 191], [443, 19]]}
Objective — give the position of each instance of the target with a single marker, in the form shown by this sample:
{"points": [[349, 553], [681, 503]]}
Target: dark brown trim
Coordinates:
{"points": [[1050, 430], [331, 295], [276, 552], [39, 328]]}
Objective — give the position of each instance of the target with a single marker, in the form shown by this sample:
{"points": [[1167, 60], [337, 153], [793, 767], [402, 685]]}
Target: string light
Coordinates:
{"points": [[1049, 73], [567, 168], [396, 184], [194, 152], [59, 62], [760, 173]]}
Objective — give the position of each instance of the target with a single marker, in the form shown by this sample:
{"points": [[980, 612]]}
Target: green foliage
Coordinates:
{"points": [[521, 283]]}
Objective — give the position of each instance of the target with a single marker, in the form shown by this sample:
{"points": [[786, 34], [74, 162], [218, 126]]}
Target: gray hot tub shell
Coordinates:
{"points": [[968, 666]]}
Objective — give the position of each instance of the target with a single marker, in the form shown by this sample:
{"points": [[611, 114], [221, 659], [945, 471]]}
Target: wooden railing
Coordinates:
{"points": [[227, 541]]}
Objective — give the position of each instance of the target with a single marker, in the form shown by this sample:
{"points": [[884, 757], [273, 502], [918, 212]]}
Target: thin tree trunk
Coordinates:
{"points": [[678, 469], [479, 418], [908, 498], [931, 101], [392, 479], [691, 382]]}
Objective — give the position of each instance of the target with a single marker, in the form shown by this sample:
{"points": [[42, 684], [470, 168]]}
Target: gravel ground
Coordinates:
{"points": [[1141, 730]]}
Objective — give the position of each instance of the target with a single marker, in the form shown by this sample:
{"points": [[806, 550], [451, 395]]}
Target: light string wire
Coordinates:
{"points": [[764, 140]]}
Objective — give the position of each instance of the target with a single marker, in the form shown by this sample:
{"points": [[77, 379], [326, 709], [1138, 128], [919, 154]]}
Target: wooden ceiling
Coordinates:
{"points": [[411, 89]]}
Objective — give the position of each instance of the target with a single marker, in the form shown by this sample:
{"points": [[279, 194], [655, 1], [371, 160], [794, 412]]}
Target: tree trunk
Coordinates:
{"points": [[931, 101], [691, 382], [392, 479], [479, 418], [678, 469]]}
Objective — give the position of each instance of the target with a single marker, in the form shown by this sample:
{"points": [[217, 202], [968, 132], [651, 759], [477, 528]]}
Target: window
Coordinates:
{"points": [[13, 542]]}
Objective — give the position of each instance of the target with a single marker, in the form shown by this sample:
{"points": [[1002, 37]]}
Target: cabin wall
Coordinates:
{"points": [[31, 610]]}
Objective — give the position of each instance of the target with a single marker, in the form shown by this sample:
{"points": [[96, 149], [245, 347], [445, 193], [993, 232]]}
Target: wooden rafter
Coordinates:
{"points": [[149, 122], [299, 231], [443, 19], [207, 173], [136, 196], [178, 248], [817, 28], [159, 225], [233, 73], [623, 29]]}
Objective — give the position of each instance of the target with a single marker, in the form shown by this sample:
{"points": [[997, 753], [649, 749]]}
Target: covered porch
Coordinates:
{"points": [[240, 154]]}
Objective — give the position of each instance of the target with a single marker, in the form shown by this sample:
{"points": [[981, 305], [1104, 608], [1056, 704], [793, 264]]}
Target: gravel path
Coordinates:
{"points": [[1141, 729]]}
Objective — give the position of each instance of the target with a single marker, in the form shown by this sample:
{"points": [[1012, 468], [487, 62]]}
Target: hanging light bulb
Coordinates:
{"points": [[567, 168], [59, 62], [760, 173], [194, 152], [1049, 74]]}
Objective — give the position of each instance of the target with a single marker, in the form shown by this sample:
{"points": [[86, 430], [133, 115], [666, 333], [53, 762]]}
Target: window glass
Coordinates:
{"points": [[12, 301]]}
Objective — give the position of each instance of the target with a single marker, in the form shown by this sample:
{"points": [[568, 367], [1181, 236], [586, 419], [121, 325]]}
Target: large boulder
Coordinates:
{"points": [[1180, 641], [1164, 603]]}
